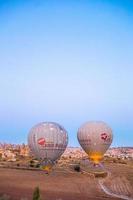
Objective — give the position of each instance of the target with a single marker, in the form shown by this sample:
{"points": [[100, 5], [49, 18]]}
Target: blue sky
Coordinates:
{"points": [[66, 61]]}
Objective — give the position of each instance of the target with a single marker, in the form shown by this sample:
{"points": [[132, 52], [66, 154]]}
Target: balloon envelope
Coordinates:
{"points": [[95, 137], [47, 141]]}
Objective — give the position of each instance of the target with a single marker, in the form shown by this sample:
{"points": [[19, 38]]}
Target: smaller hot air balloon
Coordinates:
{"points": [[95, 137], [47, 141]]}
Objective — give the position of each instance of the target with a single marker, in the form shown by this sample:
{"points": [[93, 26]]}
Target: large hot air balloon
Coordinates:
{"points": [[47, 141], [95, 137]]}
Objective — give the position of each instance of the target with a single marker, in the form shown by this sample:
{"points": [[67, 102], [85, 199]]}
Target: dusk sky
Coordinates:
{"points": [[68, 62]]}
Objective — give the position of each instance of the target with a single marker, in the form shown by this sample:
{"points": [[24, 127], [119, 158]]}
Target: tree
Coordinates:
{"points": [[36, 194]]}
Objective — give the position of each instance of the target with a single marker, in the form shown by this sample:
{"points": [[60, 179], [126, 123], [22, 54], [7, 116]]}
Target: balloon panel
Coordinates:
{"points": [[95, 138], [48, 140]]}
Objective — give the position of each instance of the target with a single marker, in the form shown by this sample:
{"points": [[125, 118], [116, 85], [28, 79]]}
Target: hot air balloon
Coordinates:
{"points": [[47, 141], [95, 137]]}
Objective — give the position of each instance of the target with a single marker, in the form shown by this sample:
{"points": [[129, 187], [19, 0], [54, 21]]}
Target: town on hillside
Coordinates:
{"points": [[19, 152]]}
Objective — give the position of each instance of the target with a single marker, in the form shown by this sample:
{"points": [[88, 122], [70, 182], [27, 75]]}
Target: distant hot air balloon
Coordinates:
{"points": [[95, 137], [47, 141]]}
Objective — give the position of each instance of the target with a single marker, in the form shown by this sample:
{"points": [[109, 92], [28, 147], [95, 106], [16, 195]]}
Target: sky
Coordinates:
{"points": [[68, 62]]}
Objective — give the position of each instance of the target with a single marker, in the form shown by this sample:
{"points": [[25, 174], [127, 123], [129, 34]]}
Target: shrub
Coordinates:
{"points": [[77, 168], [37, 165], [5, 197], [114, 160], [123, 162], [31, 161], [31, 165]]}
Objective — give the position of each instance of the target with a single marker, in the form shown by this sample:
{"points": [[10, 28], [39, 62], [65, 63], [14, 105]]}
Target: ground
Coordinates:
{"points": [[59, 185], [120, 179], [63, 183]]}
